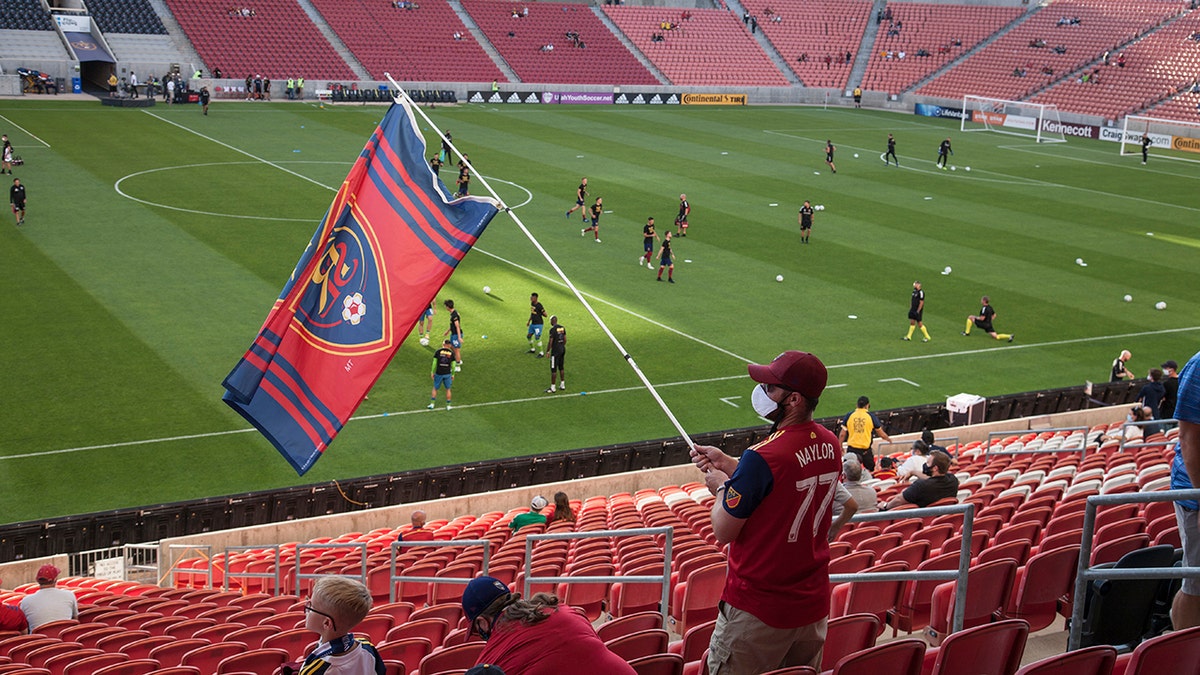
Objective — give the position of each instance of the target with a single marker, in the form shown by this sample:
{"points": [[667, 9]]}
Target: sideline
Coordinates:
{"points": [[617, 390]]}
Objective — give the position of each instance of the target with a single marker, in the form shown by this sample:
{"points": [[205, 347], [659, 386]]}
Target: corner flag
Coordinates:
{"points": [[389, 242]]}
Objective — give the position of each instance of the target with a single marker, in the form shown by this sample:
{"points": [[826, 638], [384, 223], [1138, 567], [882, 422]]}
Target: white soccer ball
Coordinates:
{"points": [[947, 270], [953, 168], [1160, 305], [424, 341], [487, 289], [819, 207], [1128, 298], [856, 155], [778, 277]]}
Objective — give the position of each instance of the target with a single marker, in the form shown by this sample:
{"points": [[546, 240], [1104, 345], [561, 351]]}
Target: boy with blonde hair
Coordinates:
{"points": [[337, 605]]}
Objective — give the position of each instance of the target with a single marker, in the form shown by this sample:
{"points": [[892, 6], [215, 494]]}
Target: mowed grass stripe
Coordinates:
{"points": [[1010, 230]]}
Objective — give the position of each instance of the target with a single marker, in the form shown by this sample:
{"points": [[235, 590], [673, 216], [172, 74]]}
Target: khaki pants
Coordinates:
{"points": [[743, 645]]}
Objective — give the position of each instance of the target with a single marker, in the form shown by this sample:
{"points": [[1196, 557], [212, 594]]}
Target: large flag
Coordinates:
{"points": [[389, 242]]}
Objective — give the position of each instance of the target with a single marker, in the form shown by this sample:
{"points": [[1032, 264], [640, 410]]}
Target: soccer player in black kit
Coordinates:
{"points": [[534, 325], [648, 239], [891, 151], [464, 179], [442, 373], [915, 311], [580, 197], [806, 220], [594, 228], [829, 155], [665, 260], [558, 353], [944, 151], [1146, 147], [984, 321], [681, 220], [16, 197]]}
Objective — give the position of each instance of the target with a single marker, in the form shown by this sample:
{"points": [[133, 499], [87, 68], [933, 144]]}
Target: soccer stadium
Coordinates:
{"points": [[979, 217]]}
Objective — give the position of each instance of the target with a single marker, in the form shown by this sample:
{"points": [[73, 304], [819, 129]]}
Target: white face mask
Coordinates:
{"points": [[763, 405]]}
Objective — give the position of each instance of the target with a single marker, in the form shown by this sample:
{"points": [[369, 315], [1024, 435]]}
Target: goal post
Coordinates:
{"points": [[1039, 121], [1169, 139]]}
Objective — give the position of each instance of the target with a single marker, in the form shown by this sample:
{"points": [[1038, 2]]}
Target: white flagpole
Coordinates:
{"points": [[403, 96]]}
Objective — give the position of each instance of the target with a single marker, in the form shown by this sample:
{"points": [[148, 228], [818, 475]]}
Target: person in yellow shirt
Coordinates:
{"points": [[859, 429]]}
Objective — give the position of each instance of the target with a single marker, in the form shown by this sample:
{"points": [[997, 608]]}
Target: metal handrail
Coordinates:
{"points": [[361, 577], [172, 570], [397, 545], [987, 450], [1085, 573], [1146, 423], [664, 579], [964, 555], [955, 440], [253, 575]]}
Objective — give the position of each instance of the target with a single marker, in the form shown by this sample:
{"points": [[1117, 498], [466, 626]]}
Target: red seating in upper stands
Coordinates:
{"points": [[934, 28], [712, 47], [1103, 25], [278, 41], [831, 28], [602, 60], [411, 44], [1156, 67]]}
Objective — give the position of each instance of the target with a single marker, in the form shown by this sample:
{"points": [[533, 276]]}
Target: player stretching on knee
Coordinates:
{"points": [[984, 321]]}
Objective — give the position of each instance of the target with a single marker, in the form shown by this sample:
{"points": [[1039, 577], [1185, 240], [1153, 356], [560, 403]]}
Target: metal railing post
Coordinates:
{"points": [[1085, 573], [397, 545], [172, 571], [959, 574], [361, 576], [664, 578]]}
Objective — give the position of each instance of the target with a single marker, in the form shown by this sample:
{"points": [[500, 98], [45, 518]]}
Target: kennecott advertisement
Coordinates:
{"points": [[930, 110], [1069, 130], [576, 97], [714, 99]]}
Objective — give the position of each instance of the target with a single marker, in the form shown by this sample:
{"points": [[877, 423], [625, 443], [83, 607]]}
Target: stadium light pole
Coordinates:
{"points": [[403, 98]]}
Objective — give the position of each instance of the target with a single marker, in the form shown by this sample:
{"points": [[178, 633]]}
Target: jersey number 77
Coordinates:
{"points": [[806, 486]]}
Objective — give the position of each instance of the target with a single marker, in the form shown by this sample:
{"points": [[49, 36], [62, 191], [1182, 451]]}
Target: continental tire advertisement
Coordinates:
{"points": [[714, 99]]}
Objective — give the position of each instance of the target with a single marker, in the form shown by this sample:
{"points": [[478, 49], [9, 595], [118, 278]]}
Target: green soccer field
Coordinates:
{"points": [[157, 240]]}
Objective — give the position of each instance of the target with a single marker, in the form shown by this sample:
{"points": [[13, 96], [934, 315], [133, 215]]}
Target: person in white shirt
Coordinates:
{"points": [[48, 603], [914, 467]]}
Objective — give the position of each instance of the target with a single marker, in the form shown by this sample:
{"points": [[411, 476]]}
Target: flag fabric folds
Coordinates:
{"points": [[389, 242]]}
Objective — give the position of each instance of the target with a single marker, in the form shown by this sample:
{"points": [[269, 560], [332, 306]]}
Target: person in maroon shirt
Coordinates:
{"points": [[537, 636], [774, 509]]}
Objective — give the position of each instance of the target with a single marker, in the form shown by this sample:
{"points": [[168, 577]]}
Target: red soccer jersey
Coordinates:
{"points": [[779, 563]]}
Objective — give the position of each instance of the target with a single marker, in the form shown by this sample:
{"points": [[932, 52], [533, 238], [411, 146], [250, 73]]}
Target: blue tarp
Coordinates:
{"points": [[86, 47]]}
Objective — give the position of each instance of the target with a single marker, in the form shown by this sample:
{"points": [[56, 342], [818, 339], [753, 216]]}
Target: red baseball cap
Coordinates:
{"points": [[798, 371], [47, 573]]}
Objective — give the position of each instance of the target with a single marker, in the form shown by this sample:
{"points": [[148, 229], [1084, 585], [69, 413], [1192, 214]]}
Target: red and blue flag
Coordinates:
{"points": [[389, 242]]}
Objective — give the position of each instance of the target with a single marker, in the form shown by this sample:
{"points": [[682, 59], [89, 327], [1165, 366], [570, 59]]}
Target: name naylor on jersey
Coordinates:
{"points": [[816, 452]]}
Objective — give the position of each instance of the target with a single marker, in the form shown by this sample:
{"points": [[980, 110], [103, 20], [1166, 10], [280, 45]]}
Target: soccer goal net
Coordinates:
{"points": [[1039, 121], [1169, 139]]}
